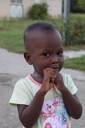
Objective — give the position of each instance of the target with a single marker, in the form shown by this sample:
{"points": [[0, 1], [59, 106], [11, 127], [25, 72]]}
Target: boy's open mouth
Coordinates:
{"points": [[56, 68]]}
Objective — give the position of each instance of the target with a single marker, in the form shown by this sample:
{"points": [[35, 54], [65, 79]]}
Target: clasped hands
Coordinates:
{"points": [[52, 79]]}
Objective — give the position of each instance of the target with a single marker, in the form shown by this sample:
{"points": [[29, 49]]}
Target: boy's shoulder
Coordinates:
{"points": [[22, 81], [67, 79], [66, 76]]}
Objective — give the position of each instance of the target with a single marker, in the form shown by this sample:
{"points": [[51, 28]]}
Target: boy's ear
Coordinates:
{"points": [[28, 58]]}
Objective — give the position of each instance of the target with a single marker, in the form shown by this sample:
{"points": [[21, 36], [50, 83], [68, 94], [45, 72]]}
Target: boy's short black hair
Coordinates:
{"points": [[40, 26], [36, 27]]}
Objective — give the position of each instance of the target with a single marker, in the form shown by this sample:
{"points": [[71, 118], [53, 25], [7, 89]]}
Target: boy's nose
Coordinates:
{"points": [[54, 59]]}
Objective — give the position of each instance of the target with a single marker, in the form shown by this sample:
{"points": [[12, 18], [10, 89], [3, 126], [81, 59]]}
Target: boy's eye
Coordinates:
{"points": [[46, 54], [60, 53]]}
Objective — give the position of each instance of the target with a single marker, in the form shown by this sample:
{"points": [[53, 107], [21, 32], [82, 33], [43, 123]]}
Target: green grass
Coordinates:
{"points": [[11, 33], [75, 63], [11, 38], [74, 47]]}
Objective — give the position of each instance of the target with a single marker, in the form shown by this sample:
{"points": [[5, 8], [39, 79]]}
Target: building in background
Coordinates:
{"points": [[19, 8]]}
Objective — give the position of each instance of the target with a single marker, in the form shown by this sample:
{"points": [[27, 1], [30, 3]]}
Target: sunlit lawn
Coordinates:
{"points": [[75, 63], [11, 38], [11, 33]]}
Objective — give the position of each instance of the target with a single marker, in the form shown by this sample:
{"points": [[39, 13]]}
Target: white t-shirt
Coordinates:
{"points": [[53, 114]]}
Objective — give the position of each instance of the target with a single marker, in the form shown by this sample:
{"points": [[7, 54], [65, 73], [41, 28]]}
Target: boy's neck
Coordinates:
{"points": [[37, 77]]}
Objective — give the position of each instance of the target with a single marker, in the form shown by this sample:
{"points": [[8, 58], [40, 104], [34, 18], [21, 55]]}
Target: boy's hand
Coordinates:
{"points": [[48, 81], [52, 79], [59, 84]]}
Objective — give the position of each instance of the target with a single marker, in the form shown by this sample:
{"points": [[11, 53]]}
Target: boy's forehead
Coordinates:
{"points": [[36, 38], [44, 34]]}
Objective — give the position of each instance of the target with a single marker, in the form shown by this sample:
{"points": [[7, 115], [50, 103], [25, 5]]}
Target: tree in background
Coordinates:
{"points": [[38, 11], [81, 5], [77, 6], [73, 5]]}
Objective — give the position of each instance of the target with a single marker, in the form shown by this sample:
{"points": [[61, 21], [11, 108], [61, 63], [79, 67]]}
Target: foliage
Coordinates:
{"points": [[81, 5], [38, 11], [73, 5], [77, 6], [75, 31]]}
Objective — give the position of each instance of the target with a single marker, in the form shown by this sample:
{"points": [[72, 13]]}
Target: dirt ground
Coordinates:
{"points": [[8, 77]]}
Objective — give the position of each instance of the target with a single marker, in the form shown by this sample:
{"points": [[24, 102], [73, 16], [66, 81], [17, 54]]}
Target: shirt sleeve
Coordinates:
{"points": [[70, 84], [21, 94]]}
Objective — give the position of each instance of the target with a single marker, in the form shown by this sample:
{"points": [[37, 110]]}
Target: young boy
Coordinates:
{"points": [[46, 98]]}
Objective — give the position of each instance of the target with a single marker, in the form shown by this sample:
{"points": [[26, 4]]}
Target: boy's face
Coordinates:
{"points": [[46, 51]]}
